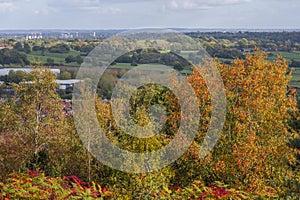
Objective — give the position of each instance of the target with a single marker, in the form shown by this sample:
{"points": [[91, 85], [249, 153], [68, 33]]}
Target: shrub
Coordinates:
{"points": [[35, 185]]}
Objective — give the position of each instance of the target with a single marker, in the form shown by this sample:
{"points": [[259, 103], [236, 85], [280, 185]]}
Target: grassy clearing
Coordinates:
{"points": [[154, 67], [286, 55], [121, 66], [57, 57], [295, 81], [150, 67], [164, 51], [185, 54]]}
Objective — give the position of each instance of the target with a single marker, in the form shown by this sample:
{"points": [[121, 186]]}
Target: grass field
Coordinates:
{"points": [[153, 67], [286, 55], [58, 58], [121, 66], [295, 81], [185, 54]]}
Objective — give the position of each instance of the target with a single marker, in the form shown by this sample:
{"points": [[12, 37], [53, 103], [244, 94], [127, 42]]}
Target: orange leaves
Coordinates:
{"points": [[253, 146]]}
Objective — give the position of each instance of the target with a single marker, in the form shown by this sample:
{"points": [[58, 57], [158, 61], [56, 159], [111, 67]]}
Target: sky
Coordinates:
{"points": [[126, 14]]}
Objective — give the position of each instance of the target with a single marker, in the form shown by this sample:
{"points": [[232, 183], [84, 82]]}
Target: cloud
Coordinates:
{"points": [[97, 6], [200, 4], [45, 11], [12, 6], [100, 9], [6, 6]]}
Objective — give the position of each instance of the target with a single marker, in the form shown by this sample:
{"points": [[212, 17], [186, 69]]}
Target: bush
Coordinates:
{"points": [[35, 185]]}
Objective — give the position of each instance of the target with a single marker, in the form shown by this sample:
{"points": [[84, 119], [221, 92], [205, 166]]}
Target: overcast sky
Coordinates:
{"points": [[116, 14]]}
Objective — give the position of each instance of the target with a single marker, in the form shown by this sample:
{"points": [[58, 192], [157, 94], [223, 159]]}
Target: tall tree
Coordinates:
{"points": [[253, 149], [27, 48], [40, 135], [18, 46]]}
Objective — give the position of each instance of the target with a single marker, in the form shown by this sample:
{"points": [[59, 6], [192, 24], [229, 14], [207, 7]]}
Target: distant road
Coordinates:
{"points": [[65, 68], [76, 68]]}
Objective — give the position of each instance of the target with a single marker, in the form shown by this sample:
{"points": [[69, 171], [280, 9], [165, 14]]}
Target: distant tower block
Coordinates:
{"points": [[94, 34]]}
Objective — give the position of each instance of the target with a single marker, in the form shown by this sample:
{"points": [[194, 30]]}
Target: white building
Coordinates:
{"points": [[63, 84]]}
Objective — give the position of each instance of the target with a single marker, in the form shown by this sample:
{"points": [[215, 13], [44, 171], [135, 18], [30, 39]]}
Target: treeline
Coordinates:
{"points": [[224, 45], [15, 77], [269, 41], [219, 51], [150, 56], [19, 54], [65, 48], [12, 56], [275, 36]]}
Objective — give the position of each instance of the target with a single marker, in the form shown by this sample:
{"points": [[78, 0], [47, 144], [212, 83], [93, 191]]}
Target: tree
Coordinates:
{"points": [[77, 48], [18, 46], [36, 48], [38, 135], [65, 75], [106, 85], [79, 60], [27, 48], [86, 48], [16, 76], [43, 50], [59, 48], [70, 59], [50, 61], [253, 148], [12, 56]]}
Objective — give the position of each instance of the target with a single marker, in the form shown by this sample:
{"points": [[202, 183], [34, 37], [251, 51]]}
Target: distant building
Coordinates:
{"points": [[34, 36], [247, 50], [66, 36], [6, 46], [64, 84]]}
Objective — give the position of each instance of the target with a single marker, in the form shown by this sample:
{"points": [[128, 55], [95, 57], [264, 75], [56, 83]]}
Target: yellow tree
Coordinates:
{"points": [[253, 149], [39, 135]]}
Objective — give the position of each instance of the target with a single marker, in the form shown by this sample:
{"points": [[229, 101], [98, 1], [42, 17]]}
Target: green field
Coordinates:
{"points": [[58, 58], [185, 54], [153, 67], [121, 66], [286, 55], [295, 81]]}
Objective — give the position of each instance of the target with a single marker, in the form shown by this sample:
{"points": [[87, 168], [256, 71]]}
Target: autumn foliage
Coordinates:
{"points": [[253, 151], [35, 185], [252, 159]]}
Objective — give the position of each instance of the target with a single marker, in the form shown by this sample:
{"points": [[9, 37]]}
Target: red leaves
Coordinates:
{"points": [[35, 184], [219, 192], [74, 179], [34, 172]]}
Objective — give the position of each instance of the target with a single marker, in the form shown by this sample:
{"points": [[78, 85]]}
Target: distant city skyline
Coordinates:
{"points": [[128, 14]]}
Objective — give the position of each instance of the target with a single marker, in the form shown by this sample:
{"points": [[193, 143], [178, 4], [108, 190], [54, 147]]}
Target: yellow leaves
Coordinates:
{"points": [[256, 131]]}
